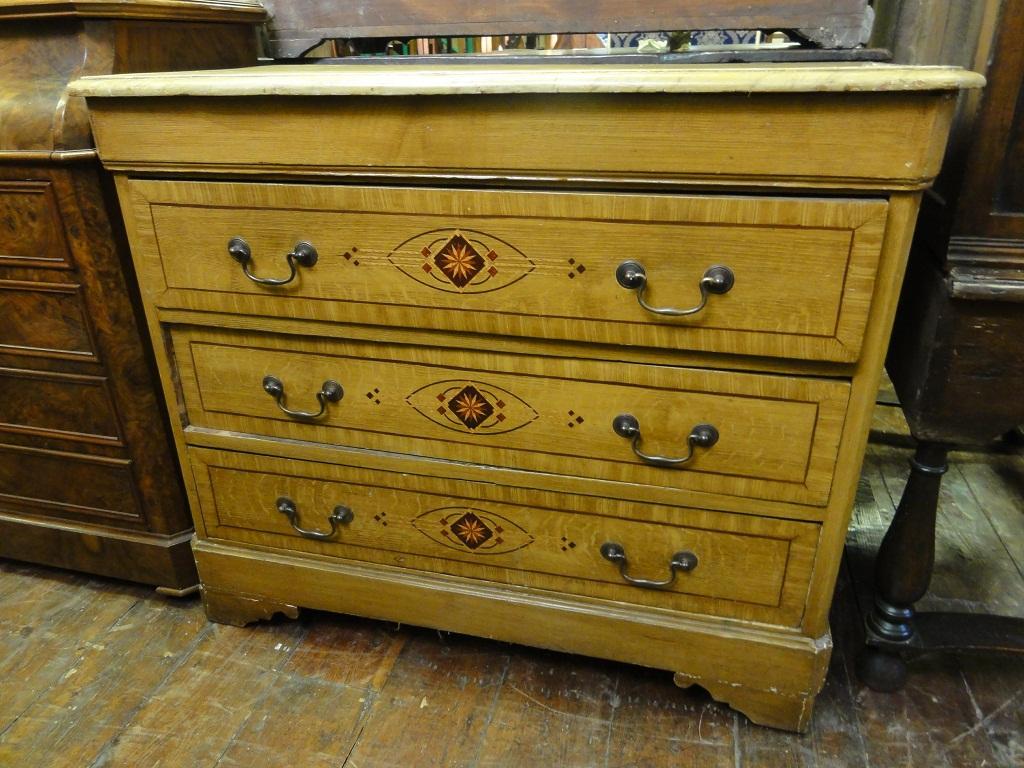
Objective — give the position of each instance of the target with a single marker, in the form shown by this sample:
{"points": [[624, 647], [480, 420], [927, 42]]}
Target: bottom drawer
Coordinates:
{"points": [[735, 565], [71, 486]]}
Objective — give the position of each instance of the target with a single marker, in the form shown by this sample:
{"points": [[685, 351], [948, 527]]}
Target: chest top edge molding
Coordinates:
{"points": [[383, 80]]}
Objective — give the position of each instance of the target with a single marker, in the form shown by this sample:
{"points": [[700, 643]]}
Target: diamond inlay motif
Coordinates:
{"points": [[459, 260], [475, 531], [471, 530], [470, 407]]}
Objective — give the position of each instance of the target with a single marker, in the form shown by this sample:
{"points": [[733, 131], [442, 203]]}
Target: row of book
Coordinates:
{"points": [[430, 46], [638, 42], [425, 46]]}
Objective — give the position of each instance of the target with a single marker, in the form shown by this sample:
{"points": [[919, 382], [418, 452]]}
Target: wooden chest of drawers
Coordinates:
{"points": [[412, 329]]}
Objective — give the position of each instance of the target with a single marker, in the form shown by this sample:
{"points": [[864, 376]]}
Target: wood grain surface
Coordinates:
{"points": [[778, 436], [31, 230], [903, 210], [991, 200], [748, 567], [64, 405], [535, 264], [172, 10], [91, 488], [40, 56], [43, 318], [645, 496], [791, 666], [846, 140], [824, 145], [88, 478], [108, 654], [106, 547]]}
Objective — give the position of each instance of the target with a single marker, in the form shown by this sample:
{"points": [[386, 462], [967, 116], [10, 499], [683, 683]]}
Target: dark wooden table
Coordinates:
{"points": [[956, 359]]}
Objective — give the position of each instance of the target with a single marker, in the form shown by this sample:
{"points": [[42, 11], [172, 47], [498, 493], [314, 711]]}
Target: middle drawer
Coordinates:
{"points": [[753, 435]]}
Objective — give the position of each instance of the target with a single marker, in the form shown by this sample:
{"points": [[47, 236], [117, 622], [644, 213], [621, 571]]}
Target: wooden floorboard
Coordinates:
{"points": [[996, 483], [435, 705], [109, 679], [104, 674], [997, 690]]}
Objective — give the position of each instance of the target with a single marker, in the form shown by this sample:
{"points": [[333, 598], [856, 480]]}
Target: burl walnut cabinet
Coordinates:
{"points": [[580, 357], [87, 469]]}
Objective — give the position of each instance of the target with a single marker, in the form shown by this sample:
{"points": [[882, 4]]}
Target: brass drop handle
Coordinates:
{"points": [[303, 255], [701, 436], [681, 561], [330, 392], [340, 516], [716, 280]]}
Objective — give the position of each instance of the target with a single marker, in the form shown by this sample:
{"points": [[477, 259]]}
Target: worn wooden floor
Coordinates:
{"points": [[100, 673]]}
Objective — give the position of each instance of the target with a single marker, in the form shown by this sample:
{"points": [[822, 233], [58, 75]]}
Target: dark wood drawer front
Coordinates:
{"points": [[67, 485], [31, 230], [58, 405], [48, 319]]}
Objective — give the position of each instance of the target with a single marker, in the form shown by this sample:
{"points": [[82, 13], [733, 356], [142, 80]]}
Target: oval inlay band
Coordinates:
{"points": [[472, 530], [461, 261], [471, 407]]}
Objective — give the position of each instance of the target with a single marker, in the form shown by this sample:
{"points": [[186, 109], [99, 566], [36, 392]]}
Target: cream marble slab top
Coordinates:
{"points": [[405, 80]]}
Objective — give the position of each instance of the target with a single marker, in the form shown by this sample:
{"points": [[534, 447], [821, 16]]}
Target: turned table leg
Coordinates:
{"points": [[903, 570]]}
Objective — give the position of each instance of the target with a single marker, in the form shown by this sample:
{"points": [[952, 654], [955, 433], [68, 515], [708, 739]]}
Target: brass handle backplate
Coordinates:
{"points": [[681, 561], [716, 280], [340, 516], [701, 436], [330, 392], [302, 255]]}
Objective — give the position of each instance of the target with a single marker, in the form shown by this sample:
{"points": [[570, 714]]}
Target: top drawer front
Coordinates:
{"points": [[525, 263]]}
